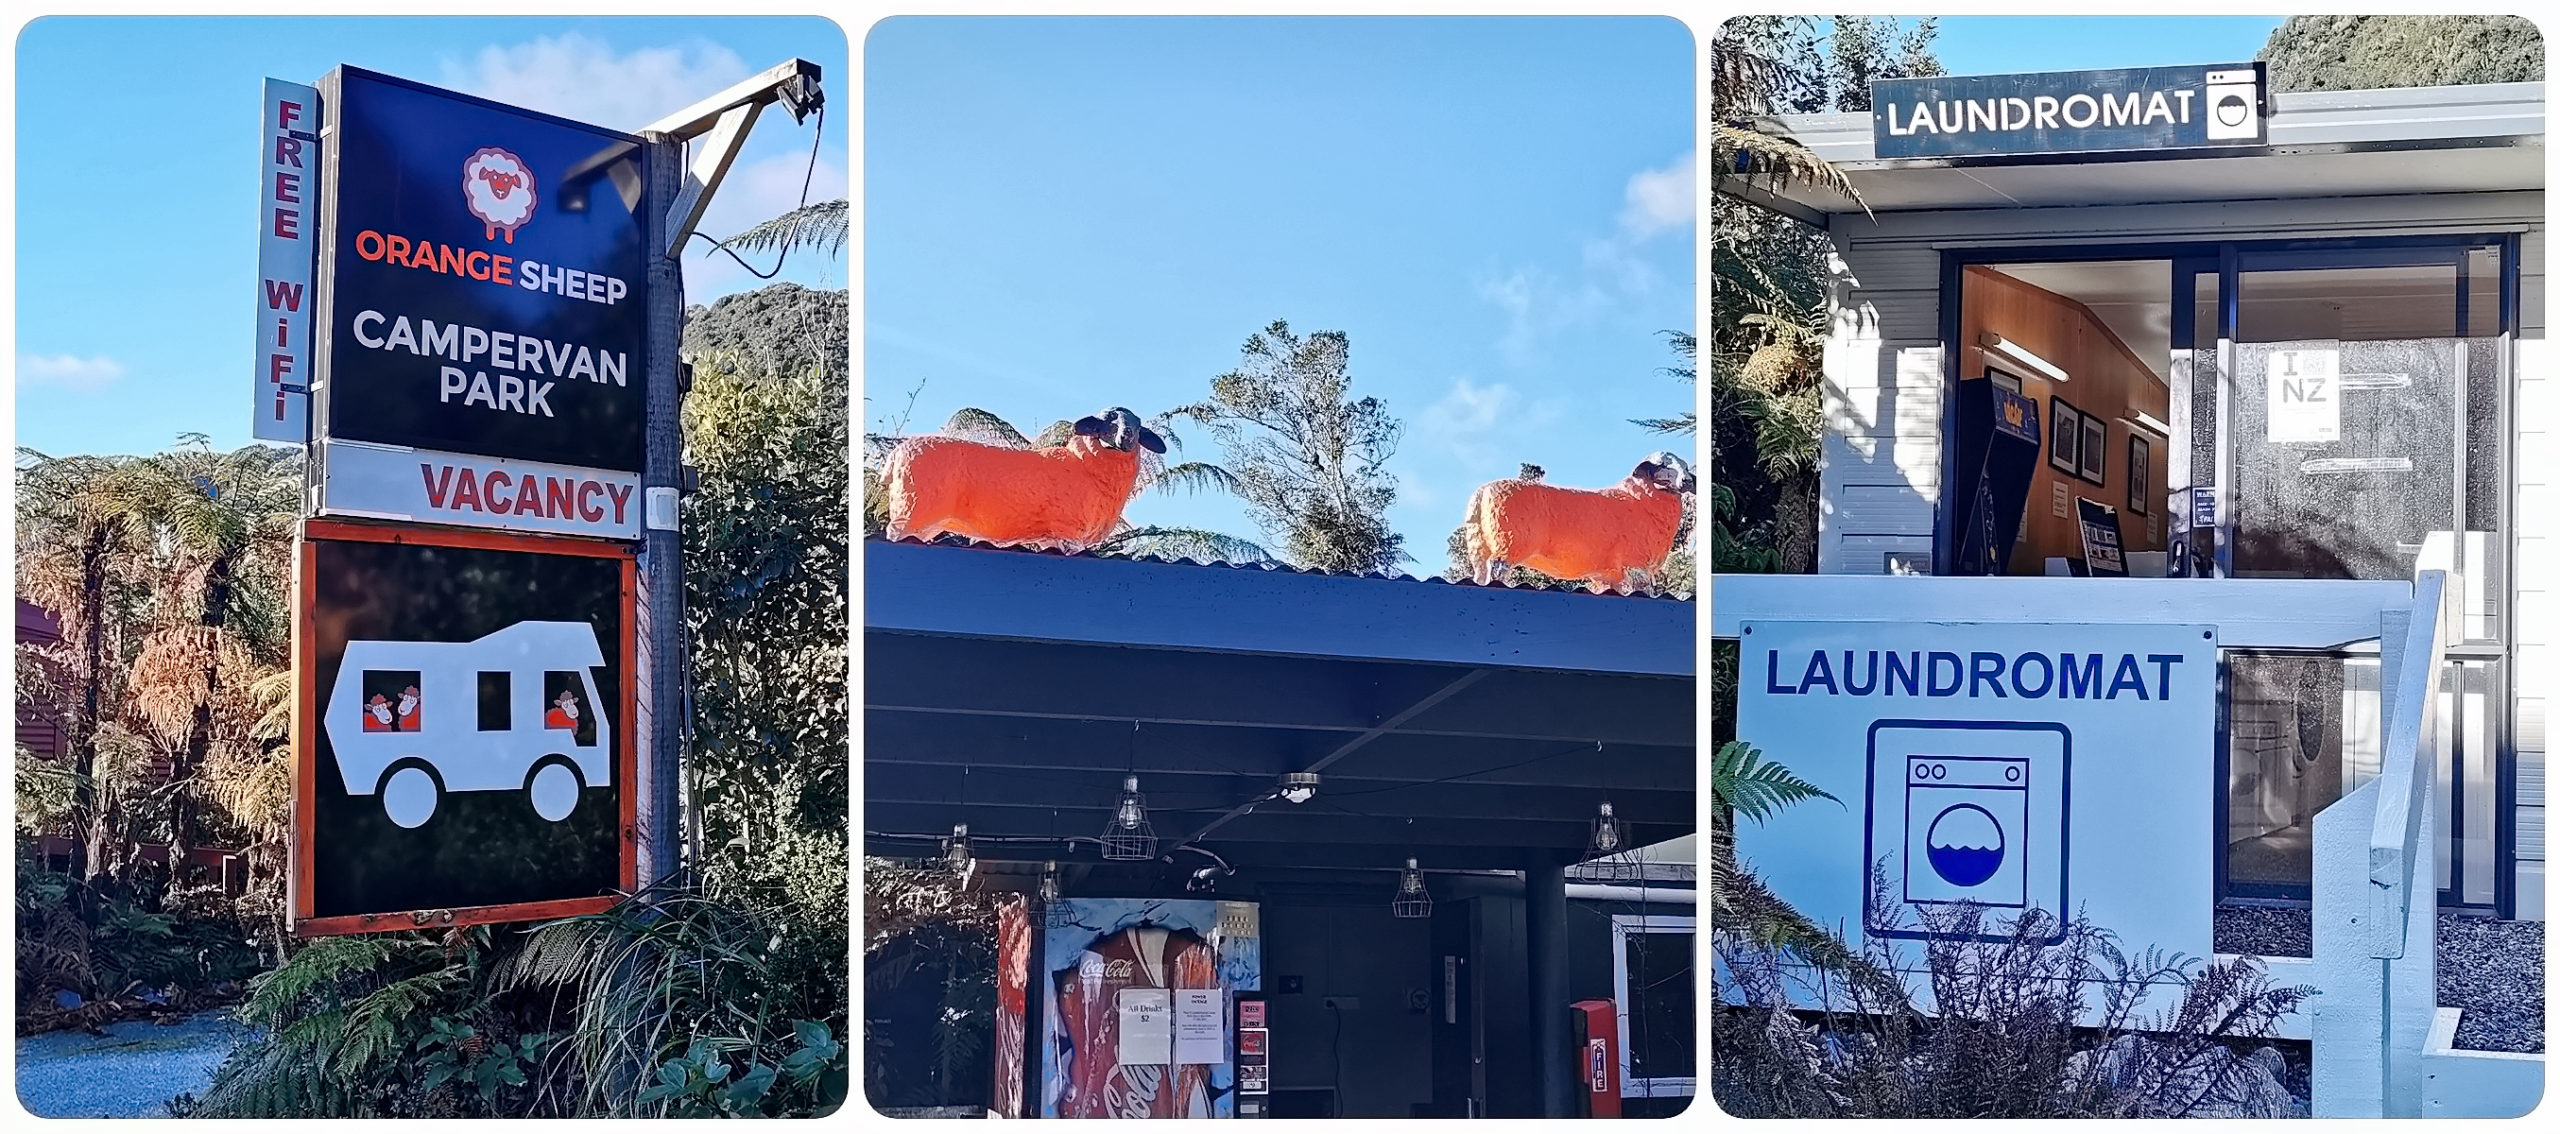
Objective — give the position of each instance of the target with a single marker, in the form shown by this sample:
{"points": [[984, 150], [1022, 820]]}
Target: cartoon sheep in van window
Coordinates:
{"points": [[515, 710]]}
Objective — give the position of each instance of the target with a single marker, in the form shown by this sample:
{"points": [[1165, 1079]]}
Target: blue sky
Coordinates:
{"points": [[1069, 214], [136, 274]]}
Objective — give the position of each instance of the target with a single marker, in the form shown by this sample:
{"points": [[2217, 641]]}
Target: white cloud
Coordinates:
{"points": [[1660, 200], [71, 372], [1537, 304], [1615, 269], [578, 77], [1476, 424]]}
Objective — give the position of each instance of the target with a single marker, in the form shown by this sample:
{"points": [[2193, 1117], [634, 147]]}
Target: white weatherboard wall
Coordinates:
{"points": [[1884, 381]]}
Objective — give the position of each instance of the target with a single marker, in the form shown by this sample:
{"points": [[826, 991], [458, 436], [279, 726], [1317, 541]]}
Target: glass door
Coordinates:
{"points": [[2344, 413]]}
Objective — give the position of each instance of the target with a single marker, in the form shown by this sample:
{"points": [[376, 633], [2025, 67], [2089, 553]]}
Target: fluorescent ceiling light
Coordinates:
{"points": [[2144, 421], [2019, 355]]}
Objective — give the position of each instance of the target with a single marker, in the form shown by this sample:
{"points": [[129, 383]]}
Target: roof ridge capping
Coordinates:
{"points": [[966, 544]]}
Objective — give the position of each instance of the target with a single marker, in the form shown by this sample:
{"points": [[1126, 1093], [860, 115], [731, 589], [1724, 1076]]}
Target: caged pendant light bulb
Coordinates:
{"points": [[1053, 910], [955, 854], [1604, 830], [1128, 836], [1411, 900], [1604, 857]]}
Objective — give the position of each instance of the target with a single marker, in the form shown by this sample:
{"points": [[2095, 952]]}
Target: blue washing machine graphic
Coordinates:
{"points": [[1965, 829], [1966, 811]]}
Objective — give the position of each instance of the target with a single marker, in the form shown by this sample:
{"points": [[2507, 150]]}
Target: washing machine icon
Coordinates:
{"points": [[1965, 829], [1967, 811]]}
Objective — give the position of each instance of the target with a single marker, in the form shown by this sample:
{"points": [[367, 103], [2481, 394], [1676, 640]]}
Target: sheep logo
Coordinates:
{"points": [[498, 189]]}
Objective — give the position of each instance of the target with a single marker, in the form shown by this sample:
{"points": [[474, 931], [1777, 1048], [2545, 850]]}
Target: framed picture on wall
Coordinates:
{"points": [[2064, 452], [2093, 448], [2137, 474]]}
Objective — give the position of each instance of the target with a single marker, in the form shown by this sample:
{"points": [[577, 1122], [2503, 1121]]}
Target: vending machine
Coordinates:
{"points": [[1141, 1009], [1253, 1056]]}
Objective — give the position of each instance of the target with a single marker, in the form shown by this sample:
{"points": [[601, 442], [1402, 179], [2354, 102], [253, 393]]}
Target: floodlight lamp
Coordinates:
{"points": [[1299, 787]]}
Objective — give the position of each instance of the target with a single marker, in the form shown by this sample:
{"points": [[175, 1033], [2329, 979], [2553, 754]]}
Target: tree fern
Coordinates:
{"points": [[978, 425], [1756, 788]]}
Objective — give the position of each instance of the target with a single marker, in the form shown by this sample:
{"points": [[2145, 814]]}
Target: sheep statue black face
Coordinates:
{"points": [[1119, 428], [1667, 471], [1611, 538]]}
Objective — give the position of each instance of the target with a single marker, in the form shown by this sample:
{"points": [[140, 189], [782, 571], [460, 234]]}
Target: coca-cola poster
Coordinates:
{"points": [[1096, 949], [1013, 989]]}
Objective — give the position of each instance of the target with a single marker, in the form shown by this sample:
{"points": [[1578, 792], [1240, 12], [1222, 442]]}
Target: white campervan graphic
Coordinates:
{"points": [[516, 710]]}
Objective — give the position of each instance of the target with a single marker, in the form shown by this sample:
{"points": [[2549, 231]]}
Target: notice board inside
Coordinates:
{"points": [[462, 727]]}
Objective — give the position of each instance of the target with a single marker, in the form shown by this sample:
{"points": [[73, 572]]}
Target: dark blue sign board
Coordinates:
{"points": [[483, 278], [2068, 112]]}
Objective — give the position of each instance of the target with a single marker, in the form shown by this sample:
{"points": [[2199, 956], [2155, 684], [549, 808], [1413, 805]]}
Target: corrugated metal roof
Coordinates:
{"points": [[1264, 565]]}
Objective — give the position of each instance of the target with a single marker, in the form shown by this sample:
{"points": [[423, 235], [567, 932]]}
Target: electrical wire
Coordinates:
{"points": [[807, 177], [1465, 775]]}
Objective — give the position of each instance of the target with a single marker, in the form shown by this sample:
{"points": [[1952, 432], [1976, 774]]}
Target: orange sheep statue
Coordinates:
{"points": [[1067, 496], [1614, 538]]}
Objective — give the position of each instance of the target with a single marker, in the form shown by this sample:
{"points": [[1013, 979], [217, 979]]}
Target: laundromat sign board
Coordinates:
{"points": [[482, 278], [2061, 767], [2060, 112]]}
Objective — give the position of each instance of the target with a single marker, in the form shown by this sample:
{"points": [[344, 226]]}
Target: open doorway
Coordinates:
{"points": [[2087, 345]]}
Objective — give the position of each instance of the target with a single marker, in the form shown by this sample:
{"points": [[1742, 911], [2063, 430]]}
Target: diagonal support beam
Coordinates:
{"points": [[1350, 746], [711, 161]]}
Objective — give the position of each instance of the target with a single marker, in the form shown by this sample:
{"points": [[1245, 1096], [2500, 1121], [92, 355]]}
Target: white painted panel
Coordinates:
{"points": [[1873, 363], [1887, 315], [2533, 616], [2252, 613], [2529, 313], [2529, 891], [2528, 833], [1881, 509], [2534, 390], [2530, 263], [2529, 779], [1906, 416], [2475, 1084], [2533, 457], [1880, 460], [1878, 405], [2529, 716], [1889, 267], [2217, 220], [1871, 555], [2533, 665]]}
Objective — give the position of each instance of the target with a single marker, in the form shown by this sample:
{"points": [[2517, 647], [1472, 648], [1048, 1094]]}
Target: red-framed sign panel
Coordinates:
{"points": [[463, 727]]}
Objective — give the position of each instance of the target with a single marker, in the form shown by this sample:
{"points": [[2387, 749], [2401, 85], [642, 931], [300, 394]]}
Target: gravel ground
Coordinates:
{"points": [[2490, 969], [2262, 931], [131, 1072]]}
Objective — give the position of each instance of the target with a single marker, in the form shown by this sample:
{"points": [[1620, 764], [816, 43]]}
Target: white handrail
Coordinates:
{"points": [[2410, 675]]}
